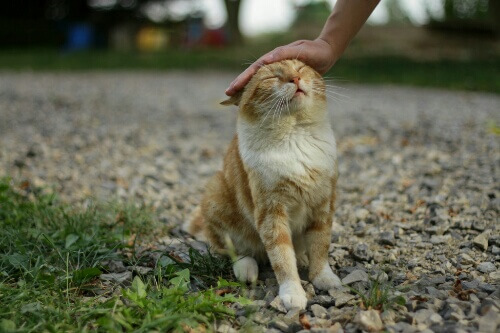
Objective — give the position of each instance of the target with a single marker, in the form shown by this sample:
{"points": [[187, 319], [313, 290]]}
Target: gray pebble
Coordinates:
{"points": [[387, 238], [362, 252], [486, 267], [481, 241], [355, 276], [319, 311]]}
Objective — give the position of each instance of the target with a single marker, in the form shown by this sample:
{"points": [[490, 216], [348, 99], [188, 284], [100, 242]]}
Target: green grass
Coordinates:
{"points": [[379, 296], [51, 256], [474, 74]]}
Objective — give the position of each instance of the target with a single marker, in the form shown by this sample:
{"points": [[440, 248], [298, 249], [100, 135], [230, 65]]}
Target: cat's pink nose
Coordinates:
{"points": [[295, 80]]}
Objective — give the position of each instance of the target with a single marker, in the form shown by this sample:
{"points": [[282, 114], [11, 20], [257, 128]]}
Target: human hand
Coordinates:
{"points": [[316, 53]]}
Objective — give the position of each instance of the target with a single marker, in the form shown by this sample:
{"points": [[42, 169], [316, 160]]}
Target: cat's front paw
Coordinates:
{"points": [[246, 269], [293, 295], [326, 279]]}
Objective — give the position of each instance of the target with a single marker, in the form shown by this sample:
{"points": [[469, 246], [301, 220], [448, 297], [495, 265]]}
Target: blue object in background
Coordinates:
{"points": [[80, 37]]}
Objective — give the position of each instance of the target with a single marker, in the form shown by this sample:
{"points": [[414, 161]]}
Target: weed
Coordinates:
{"points": [[205, 268], [52, 254], [168, 308], [380, 295]]}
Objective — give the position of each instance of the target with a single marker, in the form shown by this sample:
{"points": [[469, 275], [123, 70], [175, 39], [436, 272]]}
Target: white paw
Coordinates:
{"points": [[326, 279], [302, 260], [246, 269], [293, 295]]}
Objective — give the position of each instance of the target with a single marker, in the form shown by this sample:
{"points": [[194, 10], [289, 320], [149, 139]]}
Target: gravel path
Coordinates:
{"points": [[418, 199]]}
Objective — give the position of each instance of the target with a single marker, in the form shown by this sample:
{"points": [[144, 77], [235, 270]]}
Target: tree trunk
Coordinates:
{"points": [[233, 11]]}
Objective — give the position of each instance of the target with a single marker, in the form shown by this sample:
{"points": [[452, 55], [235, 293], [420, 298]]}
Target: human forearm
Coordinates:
{"points": [[321, 54], [346, 19]]}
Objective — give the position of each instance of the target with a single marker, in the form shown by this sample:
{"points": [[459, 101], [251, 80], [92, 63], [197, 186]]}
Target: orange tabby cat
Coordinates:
{"points": [[275, 196]]}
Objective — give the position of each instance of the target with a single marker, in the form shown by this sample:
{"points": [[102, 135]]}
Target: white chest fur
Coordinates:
{"points": [[290, 154]]}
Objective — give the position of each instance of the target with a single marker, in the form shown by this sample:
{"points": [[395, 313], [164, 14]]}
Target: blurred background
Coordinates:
{"points": [[441, 43]]}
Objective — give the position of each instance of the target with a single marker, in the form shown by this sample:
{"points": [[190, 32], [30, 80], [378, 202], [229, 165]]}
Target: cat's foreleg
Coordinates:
{"points": [[317, 236], [299, 244], [274, 231]]}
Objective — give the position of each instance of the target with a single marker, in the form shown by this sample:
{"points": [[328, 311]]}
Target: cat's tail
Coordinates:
{"points": [[195, 225]]}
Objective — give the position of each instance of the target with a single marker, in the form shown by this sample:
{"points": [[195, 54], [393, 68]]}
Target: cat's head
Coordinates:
{"points": [[281, 89]]}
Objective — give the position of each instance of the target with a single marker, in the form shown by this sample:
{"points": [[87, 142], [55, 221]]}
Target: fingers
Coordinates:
{"points": [[290, 51], [243, 78]]}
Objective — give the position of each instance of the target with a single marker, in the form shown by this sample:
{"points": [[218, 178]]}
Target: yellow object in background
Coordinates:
{"points": [[152, 39]]}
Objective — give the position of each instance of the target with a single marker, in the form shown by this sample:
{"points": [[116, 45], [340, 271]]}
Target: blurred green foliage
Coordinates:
{"points": [[480, 74]]}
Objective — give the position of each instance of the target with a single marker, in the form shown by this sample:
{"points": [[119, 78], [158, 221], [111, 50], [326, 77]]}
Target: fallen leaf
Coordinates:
{"points": [[304, 321]]}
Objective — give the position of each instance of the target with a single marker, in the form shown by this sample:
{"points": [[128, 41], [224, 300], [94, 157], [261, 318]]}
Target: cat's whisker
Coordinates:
{"points": [[278, 107], [274, 102], [331, 89], [331, 95], [274, 94], [336, 87], [337, 93], [336, 78]]}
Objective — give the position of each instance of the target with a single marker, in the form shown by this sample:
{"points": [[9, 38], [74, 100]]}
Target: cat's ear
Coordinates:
{"points": [[233, 100]]}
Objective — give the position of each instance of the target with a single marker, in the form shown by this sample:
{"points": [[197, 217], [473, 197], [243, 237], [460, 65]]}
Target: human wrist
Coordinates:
{"points": [[332, 49]]}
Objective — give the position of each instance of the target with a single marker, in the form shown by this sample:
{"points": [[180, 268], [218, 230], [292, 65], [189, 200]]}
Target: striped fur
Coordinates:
{"points": [[274, 199]]}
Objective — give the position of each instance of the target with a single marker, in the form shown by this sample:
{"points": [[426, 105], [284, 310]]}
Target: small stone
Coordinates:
{"points": [[486, 267], [495, 250], [464, 224], [340, 297], [362, 252], [319, 311], [295, 328], [355, 276], [318, 329], [478, 225], [309, 289], [360, 229], [438, 239], [388, 317], [465, 259], [117, 277], [427, 317], [272, 330], [323, 300], [369, 320], [487, 288], [486, 305], [269, 297], [279, 324], [361, 214], [438, 279], [402, 327], [481, 241], [277, 304], [489, 322], [387, 238], [293, 315], [259, 303], [115, 266], [336, 328], [224, 328], [495, 276], [435, 293], [260, 318]]}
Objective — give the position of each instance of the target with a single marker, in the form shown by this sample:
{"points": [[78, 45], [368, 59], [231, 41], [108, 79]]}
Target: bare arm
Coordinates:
{"points": [[347, 17]]}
